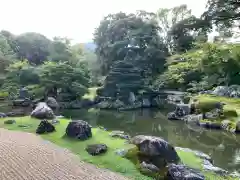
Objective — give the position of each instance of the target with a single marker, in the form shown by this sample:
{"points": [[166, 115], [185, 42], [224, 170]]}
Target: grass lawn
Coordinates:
{"points": [[109, 160]]}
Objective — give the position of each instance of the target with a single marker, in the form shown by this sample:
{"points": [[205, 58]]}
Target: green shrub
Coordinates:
{"points": [[3, 95]]}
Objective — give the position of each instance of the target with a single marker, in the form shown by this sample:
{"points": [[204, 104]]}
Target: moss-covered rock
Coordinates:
{"points": [[226, 118], [229, 113], [203, 106], [238, 127]]}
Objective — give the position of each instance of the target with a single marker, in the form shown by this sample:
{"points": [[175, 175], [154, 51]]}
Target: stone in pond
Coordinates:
{"points": [[208, 166], [10, 121], [197, 153], [42, 111], [183, 109], [173, 116], [238, 127], [96, 149], [155, 146], [182, 172], [45, 127], [119, 134], [2, 115], [148, 168], [79, 130]]}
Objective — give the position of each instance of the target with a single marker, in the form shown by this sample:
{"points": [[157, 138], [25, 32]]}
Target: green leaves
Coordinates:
{"points": [[64, 76], [202, 68], [222, 12]]}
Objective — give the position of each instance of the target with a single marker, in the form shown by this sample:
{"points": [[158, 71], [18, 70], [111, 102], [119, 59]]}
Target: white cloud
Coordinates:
{"points": [[75, 19]]}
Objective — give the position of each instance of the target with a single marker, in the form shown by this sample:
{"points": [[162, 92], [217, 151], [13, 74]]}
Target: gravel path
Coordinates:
{"points": [[25, 156]]}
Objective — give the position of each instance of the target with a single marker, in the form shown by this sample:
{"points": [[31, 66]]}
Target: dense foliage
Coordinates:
{"points": [[44, 66], [134, 52], [204, 67]]}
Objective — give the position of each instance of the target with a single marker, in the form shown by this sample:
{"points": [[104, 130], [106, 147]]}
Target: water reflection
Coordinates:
{"points": [[223, 147]]}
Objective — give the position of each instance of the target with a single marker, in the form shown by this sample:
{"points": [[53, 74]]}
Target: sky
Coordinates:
{"points": [[75, 19]]}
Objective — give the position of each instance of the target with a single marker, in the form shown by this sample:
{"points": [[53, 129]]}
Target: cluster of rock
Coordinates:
{"points": [[227, 91], [156, 157], [65, 101], [132, 101], [112, 96], [159, 159], [210, 119]]}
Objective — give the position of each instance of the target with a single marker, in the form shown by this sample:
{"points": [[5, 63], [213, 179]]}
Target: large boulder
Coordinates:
{"points": [[42, 111], [45, 127], [52, 103], [96, 149], [183, 109], [155, 146], [2, 115], [238, 127], [180, 111], [231, 91], [79, 130], [221, 91], [180, 172]]}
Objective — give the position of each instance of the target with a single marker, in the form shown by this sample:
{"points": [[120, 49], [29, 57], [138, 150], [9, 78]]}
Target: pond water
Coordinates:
{"points": [[222, 146]]}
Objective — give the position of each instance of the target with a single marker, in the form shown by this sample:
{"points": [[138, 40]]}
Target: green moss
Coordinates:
{"points": [[110, 160]]}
